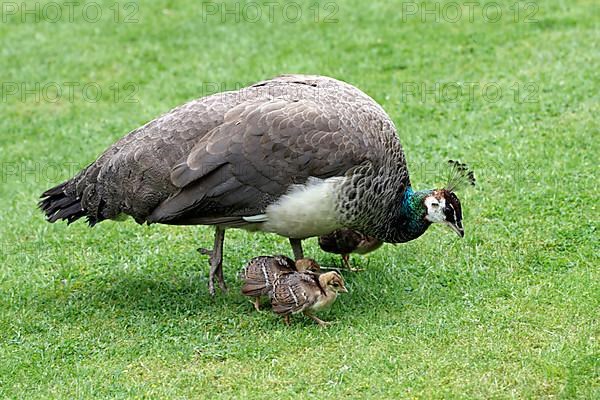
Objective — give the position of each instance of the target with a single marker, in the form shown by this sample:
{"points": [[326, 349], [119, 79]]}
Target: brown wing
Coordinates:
{"points": [[295, 292], [215, 159], [255, 155]]}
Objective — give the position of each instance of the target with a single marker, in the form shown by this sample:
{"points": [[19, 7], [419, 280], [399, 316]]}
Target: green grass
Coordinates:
{"points": [[122, 311]]}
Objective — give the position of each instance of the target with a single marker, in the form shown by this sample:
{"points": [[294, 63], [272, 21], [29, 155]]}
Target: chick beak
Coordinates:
{"points": [[343, 289], [457, 227]]}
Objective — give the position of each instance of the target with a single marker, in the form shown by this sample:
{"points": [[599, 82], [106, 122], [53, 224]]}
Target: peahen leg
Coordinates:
{"points": [[216, 262]]}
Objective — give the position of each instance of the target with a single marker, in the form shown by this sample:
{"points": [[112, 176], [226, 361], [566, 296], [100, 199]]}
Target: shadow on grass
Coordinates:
{"points": [[176, 294], [180, 291]]}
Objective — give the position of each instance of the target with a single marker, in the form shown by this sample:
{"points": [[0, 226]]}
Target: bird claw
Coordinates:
{"points": [[206, 252], [211, 285], [346, 264], [318, 320], [256, 304], [222, 285], [352, 269]]}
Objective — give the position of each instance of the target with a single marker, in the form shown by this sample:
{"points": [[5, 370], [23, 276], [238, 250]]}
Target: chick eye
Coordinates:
{"points": [[435, 205]]}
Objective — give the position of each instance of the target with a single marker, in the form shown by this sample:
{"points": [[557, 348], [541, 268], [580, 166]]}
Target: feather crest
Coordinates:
{"points": [[459, 176]]}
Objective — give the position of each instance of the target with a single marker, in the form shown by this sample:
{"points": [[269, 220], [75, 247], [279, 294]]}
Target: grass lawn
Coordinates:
{"points": [[122, 310]]}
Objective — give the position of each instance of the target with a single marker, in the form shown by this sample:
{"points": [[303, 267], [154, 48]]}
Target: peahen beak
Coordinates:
{"points": [[457, 227]]}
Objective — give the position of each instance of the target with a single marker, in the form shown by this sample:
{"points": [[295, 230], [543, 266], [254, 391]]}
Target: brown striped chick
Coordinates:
{"points": [[261, 272], [306, 292]]}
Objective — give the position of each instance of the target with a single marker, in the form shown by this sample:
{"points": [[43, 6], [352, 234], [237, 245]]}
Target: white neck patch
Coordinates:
{"points": [[435, 209]]}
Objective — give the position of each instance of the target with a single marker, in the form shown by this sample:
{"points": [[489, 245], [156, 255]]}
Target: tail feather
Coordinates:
{"points": [[57, 204]]}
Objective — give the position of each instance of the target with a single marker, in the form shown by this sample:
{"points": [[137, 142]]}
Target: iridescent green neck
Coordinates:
{"points": [[412, 202], [410, 221]]}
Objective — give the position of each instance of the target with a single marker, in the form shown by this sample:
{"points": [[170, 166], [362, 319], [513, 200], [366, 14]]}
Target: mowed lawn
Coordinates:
{"points": [[122, 310]]}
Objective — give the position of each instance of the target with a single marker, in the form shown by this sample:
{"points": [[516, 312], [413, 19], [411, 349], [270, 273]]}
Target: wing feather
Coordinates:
{"points": [[295, 292], [260, 139], [261, 149]]}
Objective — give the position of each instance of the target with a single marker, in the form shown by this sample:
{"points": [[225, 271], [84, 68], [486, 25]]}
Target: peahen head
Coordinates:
{"points": [[424, 207], [443, 206]]}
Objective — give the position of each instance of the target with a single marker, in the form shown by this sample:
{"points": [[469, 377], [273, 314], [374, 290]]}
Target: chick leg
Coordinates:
{"points": [[297, 248], [216, 262], [346, 262], [256, 303], [317, 320], [286, 319]]}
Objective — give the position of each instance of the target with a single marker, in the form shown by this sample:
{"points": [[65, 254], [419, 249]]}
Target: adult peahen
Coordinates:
{"points": [[296, 155]]}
